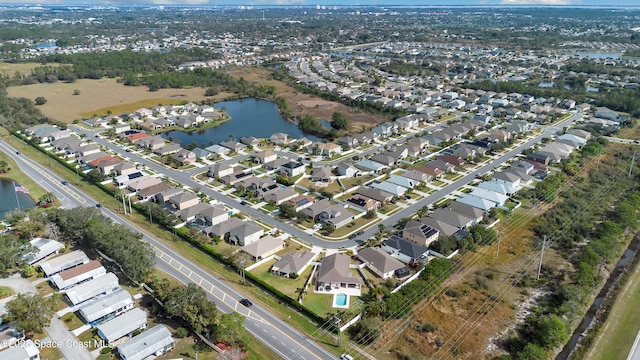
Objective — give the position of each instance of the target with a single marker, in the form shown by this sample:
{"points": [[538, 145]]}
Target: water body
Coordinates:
{"points": [[546, 84], [46, 45], [249, 117], [591, 88], [599, 55], [8, 196]]}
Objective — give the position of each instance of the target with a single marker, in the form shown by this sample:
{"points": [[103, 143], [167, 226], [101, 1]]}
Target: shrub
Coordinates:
{"points": [[105, 350], [426, 327], [181, 332]]}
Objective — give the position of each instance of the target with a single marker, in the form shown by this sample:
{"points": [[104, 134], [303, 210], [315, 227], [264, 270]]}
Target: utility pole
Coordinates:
{"points": [[544, 241], [150, 217], [130, 210], [124, 204], [242, 271], [633, 159], [499, 238]]}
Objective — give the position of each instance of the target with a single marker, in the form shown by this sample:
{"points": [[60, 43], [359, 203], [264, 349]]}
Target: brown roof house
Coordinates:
{"points": [[334, 277], [184, 157], [184, 200]]}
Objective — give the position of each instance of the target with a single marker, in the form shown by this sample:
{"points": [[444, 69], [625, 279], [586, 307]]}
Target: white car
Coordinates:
{"points": [[317, 227]]}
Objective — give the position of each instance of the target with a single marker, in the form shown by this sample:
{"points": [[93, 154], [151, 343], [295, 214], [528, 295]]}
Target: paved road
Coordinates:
{"points": [[634, 354], [273, 332], [67, 194], [622, 141]]}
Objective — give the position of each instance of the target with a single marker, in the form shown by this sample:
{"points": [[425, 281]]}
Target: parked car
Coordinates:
{"points": [[245, 302], [360, 233], [352, 236], [317, 227], [346, 357]]}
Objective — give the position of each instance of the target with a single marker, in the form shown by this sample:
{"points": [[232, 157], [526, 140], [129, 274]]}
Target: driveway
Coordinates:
{"points": [[18, 285]]}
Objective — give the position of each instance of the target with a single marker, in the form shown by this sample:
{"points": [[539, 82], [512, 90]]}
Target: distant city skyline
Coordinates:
{"points": [[599, 3]]}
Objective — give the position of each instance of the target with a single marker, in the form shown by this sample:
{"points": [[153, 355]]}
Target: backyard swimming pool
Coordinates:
{"points": [[340, 300]]}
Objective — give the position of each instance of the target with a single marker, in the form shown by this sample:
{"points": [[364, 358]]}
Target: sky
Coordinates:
{"points": [[336, 2]]}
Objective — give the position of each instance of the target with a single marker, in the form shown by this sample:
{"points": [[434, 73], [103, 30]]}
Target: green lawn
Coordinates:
{"points": [[387, 208], [332, 187], [72, 321], [319, 303], [5, 291], [621, 327], [351, 182], [360, 223], [286, 285]]}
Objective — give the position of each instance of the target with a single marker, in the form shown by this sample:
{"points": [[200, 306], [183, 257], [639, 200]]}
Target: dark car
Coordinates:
{"points": [[360, 233], [17, 152], [98, 205], [243, 202], [64, 182], [353, 236], [245, 302]]}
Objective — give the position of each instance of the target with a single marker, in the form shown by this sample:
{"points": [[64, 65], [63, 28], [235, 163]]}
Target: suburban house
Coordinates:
{"points": [[201, 153], [167, 149], [444, 228], [293, 263], [406, 251], [403, 181], [250, 141], [64, 262], [219, 170], [369, 165], [123, 325], [246, 233], [380, 262], [326, 149], [279, 138], [476, 201], [264, 247], [321, 174], [183, 200], [498, 199], [452, 159], [184, 157], [300, 202], [165, 195], [347, 169], [418, 177], [500, 135], [375, 194], [112, 304], [217, 149], [101, 285], [442, 165], [419, 233], [293, 169], [43, 249], [394, 189], [233, 146], [336, 215], [469, 211], [333, 276], [451, 217], [280, 195], [265, 156], [78, 274], [434, 172], [363, 203], [153, 342]]}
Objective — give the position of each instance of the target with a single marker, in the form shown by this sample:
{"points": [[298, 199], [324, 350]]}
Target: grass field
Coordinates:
{"points": [[5, 291], [23, 68], [35, 191], [99, 96], [620, 330]]}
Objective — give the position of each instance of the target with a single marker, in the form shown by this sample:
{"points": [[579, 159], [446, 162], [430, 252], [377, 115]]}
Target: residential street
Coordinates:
{"points": [[275, 333]]}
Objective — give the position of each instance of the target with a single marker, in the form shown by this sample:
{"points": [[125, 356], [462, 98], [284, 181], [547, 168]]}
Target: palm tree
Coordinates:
{"points": [[48, 198], [423, 211], [378, 292]]}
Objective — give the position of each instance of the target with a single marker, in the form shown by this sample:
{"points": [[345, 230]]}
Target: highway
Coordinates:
{"points": [[273, 332]]}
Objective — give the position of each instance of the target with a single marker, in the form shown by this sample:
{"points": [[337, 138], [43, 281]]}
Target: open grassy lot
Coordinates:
{"points": [[9, 69], [5, 291], [99, 96], [620, 330]]}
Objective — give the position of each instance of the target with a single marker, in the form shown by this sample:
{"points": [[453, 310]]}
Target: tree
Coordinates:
{"points": [[230, 330], [47, 198], [340, 121], [95, 176], [532, 352], [287, 211], [423, 211], [4, 166], [549, 332], [31, 312], [191, 304], [40, 100], [13, 252]]}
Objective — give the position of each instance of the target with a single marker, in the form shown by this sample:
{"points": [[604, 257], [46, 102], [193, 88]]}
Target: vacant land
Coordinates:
{"points": [[622, 325], [99, 96], [7, 69], [303, 104]]}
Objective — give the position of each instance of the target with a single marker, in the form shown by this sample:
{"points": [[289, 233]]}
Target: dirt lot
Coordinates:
{"points": [[99, 96], [302, 104]]}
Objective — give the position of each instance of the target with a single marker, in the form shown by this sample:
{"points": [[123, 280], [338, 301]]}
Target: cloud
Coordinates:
{"points": [[540, 2]]}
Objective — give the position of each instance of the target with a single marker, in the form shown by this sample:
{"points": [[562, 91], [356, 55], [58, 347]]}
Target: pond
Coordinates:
{"points": [[8, 195], [249, 117], [599, 55]]}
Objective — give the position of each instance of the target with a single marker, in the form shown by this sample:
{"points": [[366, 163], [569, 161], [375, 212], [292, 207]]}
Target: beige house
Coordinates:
{"points": [[264, 247], [419, 233]]}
